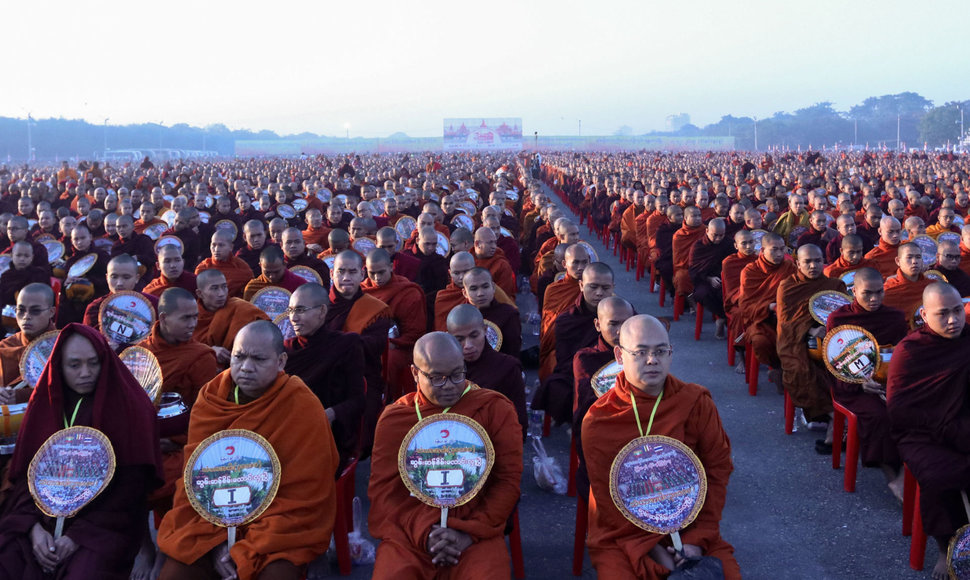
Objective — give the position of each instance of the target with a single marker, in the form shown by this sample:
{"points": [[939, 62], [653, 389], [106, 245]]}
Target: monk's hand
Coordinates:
{"points": [[714, 281], [7, 396], [772, 306], [64, 547], [660, 555], [43, 546], [873, 388], [223, 356], [446, 545], [331, 415], [689, 551], [222, 562]]}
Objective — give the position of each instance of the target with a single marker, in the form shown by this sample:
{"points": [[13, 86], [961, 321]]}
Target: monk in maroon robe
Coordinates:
{"points": [[948, 264], [757, 300], [867, 400], [84, 382], [138, 246], [295, 254], [122, 276], [929, 407], [704, 268], [20, 273], [479, 290], [172, 273]]}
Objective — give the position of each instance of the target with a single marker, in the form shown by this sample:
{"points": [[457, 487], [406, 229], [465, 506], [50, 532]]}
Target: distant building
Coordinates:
{"points": [[676, 122]]}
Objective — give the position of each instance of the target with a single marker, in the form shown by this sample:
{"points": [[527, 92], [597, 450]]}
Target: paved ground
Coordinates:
{"points": [[786, 514]]}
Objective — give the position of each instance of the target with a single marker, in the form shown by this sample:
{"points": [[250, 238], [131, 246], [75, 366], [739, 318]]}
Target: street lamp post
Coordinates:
{"points": [[106, 133], [30, 145], [756, 133]]}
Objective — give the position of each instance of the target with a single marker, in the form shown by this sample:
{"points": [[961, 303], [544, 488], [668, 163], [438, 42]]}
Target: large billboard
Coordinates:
{"points": [[483, 134]]}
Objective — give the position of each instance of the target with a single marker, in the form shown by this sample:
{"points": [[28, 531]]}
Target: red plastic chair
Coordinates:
{"points": [[573, 467], [917, 543], [515, 546], [653, 279], [663, 292], [852, 443], [343, 521], [698, 320], [579, 539], [680, 302], [751, 369], [731, 352], [56, 287], [909, 498], [790, 416]]}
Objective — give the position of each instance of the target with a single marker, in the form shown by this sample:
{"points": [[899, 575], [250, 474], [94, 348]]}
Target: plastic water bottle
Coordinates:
{"points": [[535, 421], [534, 319]]}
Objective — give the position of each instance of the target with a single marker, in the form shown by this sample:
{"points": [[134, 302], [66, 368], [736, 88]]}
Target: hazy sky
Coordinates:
{"points": [[380, 66]]}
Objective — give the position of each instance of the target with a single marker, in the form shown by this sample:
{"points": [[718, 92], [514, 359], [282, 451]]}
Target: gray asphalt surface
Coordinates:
{"points": [[786, 513]]}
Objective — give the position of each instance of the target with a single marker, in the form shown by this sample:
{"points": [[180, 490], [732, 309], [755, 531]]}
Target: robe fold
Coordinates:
{"points": [[502, 274], [160, 284], [683, 241], [297, 526], [406, 265], [841, 266], [888, 326], [929, 410], [502, 373], [506, 317], [408, 310], [617, 548], [314, 263], [956, 278], [883, 258], [705, 261], [558, 297], [731, 269], [219, 328], [331, 363], [573, 330], [808, 383], [402, 523], [237, 273], [759, 288], [586, 362], [289, 282], [905, 295], [13, 280]]}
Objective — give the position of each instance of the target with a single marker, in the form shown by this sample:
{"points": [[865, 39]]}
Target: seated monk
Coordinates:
{"points": [[20, 273], [433, 273], [731, 269], [927, 398], [808, 383], [315, 235], [35, 316], [944, 223], [255, 394], [628, 221], [353, 310], [684, 411], [236, 272], [461, 240], [558, 267], [948, 264], [965, 248], [453, 294], [295, 254], [338, 240], [646, 243], [138, 246], [868, 400], [404, 264], [122, 276], [574, 329], [172, 274], [485, 367], [186, 365], [147, 218], [796, 216], [331, 363], [254, 234], [883, 256], [704, 268], [221, 316], [78, 291], [914, 226], [904, 291], [17, 232], [757, 301], [479, 291], [663, 248], [83, 384], [565, 232], [559, 296], [506, 245], [611, 313], [273, 273], [408, 310], [684, 238], [850, 257], [412, 544], [487, 256]]}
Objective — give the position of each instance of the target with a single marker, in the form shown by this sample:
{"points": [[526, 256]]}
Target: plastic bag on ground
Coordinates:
{"points": [[548, 474]]}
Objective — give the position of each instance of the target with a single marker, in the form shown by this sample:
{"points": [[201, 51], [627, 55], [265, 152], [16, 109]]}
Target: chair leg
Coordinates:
{"points": [[653, 279], [790, 415], [573, 466], [851, 454], [663, 292], [730, 346], [579, 539], [752, 369], [546, 425], [917, 544], [838, 422], [341, 528], [698, 320], [679, 301], [515, 545], [909, 498]]}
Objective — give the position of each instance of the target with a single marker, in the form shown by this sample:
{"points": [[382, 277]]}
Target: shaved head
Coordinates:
{"points": [[611, 313], [644, 351], [464, 315], [943, 310]]}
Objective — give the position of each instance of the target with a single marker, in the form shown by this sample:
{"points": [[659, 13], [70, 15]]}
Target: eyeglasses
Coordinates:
{"points": [[439, 381], [950, 256], [301, 309], [657, 353]]}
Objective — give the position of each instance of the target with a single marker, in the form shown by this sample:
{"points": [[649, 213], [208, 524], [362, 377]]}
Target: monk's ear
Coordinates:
{"points": [[618, 354], [282, 361], [897, 260], [596, 325]]}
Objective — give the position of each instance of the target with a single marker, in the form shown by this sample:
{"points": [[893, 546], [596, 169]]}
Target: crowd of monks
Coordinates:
{"points": [[402, 274]]}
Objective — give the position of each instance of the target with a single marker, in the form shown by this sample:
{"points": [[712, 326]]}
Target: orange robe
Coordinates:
{"points": [[964, 258], [502, 273], [883, 258], [617, 548], [237, 272], [684, 240], [628, 226], [546, 247], [731, 269], [409, 311], [559, 297], [11, 349], [317, 236], [841, 266], [759, 288], [219, 328], [161, 284], [297, 526], [185, 368], [452, 296], [807, 382], [904, 295], [141, 226], [402, 523]]}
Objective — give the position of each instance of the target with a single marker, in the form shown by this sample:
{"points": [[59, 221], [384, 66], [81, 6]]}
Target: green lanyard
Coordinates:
{"points": [[652, 413], [236, 395], [418, 411], [73, 415]]}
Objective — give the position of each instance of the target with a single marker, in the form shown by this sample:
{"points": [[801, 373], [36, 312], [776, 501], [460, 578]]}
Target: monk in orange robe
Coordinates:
{"points": [[684, 411], [628, 221], [648, 245], [408, 310], [255, 394], [221, 317], [883, 256], [453, 294], [172, 274], [236, 272], [684, 239], [759, 287], [412, 544], [807, 382], [904, 291], [316, 233], [273, 272], [965, 248], [558, 298], [487, 256], [35, 316], [731, 269], [850, 257]]}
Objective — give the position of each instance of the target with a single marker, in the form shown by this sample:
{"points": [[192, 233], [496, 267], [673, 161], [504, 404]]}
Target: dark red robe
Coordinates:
{"points": [[506, 317], [502, 373]]}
